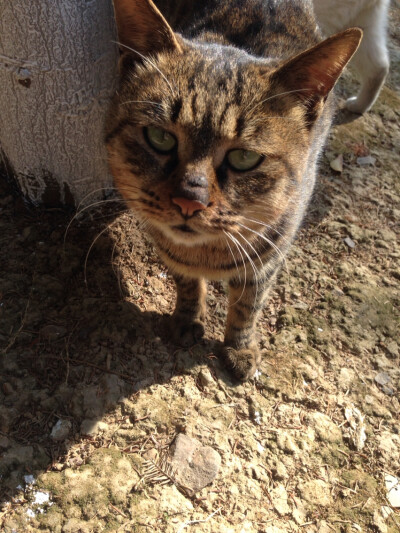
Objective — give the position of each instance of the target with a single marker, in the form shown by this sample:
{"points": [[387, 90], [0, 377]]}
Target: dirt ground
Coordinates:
{"points": [[92, 392]]}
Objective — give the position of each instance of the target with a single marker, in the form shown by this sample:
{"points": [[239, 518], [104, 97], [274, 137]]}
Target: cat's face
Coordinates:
{"points": [[206, 124], [205, 141]]}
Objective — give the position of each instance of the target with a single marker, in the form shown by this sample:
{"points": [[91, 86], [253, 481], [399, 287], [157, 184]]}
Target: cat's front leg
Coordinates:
{"points": [[189, 315], [240, 351]]}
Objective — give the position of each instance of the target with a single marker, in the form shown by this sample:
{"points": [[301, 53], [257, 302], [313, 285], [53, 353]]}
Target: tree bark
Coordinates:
{"points": [[57, 73]]}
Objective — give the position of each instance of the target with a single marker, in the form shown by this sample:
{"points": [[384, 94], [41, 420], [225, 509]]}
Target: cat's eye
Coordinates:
{"points": [[243, 159], [159, 139]]}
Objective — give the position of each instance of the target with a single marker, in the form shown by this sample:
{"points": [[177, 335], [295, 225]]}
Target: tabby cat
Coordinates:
{"points": [[213, 139]]}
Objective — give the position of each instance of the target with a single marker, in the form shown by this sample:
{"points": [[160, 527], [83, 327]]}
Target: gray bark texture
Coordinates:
{"points": [[57, 73]]}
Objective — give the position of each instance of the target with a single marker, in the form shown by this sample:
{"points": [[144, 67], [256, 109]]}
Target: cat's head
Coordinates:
{"points": [[204, 139]]}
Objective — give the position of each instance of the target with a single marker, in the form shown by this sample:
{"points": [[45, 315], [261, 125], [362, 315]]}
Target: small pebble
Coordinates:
{"points": [[350, 243], [367, 160]]}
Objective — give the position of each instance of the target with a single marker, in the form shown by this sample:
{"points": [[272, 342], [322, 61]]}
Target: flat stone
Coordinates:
{"points": [[279, 498], [53, 332], [173, 502], [61, 430], [392, 485], [316, 492], [346, 377], [195, 466], [349, 242], [92, 427], [367, 160], [324, 427], [206, 378], [382, 378], [379, 522], [286, 443], [392, 348]]}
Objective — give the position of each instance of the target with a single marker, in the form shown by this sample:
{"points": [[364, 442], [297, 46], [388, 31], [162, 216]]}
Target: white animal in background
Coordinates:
{"points": [[372, 59]]}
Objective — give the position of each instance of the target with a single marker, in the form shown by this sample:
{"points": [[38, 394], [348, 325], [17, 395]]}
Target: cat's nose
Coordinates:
{"points": [[188, 207], [192, 195]]}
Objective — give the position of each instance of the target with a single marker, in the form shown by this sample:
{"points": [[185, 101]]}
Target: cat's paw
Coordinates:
{"points": [[186, 332], [242, 363]]}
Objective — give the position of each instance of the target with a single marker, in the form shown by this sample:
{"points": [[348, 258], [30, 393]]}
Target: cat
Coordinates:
{"points": [[372, 59], [213, 138]]}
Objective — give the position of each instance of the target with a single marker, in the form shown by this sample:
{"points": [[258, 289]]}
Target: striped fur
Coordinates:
{"points": [[234, 75]]}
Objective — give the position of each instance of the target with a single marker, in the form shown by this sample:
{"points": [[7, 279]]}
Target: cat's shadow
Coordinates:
{"points": [[79, 346]]}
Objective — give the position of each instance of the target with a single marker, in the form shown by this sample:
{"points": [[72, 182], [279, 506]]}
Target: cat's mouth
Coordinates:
{"points": [[184, 228]]}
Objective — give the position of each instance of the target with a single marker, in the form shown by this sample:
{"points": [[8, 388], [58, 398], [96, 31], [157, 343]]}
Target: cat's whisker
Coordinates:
{"points": [[91, 246], [78, 213], [252, 264], [94, 204], [277, 96], [141, 102], [111, 188], [147, 60], [244, 265], [234, 258], [249, 243], [268, 227], [271, 243]]}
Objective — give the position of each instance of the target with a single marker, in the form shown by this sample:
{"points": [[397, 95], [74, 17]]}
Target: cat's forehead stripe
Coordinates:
{"points": [[210, 106]]}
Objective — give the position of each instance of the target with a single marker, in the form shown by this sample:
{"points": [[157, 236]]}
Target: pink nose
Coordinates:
{"points": [[188, 207]]}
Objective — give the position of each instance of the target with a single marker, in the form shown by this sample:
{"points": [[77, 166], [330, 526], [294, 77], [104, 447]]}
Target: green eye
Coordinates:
{"points": [[159, 139], [243, 159]]}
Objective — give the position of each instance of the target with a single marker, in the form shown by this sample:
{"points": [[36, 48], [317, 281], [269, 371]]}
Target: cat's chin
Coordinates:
{"points": [[184, 235]]}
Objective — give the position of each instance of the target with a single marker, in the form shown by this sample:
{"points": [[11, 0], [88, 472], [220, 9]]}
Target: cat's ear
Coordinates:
{"points": [[142, 28], [312, 74]]}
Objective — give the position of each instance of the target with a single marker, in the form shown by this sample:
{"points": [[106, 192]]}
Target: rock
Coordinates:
{"points": [[379, 522], [173, 502], [389, 446], [324, 427], [53, 332], [206, 378], [286, 442], [279, 498], [61, 430], [392, 485], [195, 466], [387, 234], [337, 163], [349, 242], [299, 512], [92, 403], [279, 470], [346, 377], [113, 387], [356, 430], [367, 160], [382, 378], [324, 527], [316, 492], [74, 524], [392, 349], [92, 427]]}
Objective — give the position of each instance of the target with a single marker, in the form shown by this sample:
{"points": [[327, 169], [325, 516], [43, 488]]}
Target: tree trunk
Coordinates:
{"points": [[57, 73]]}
